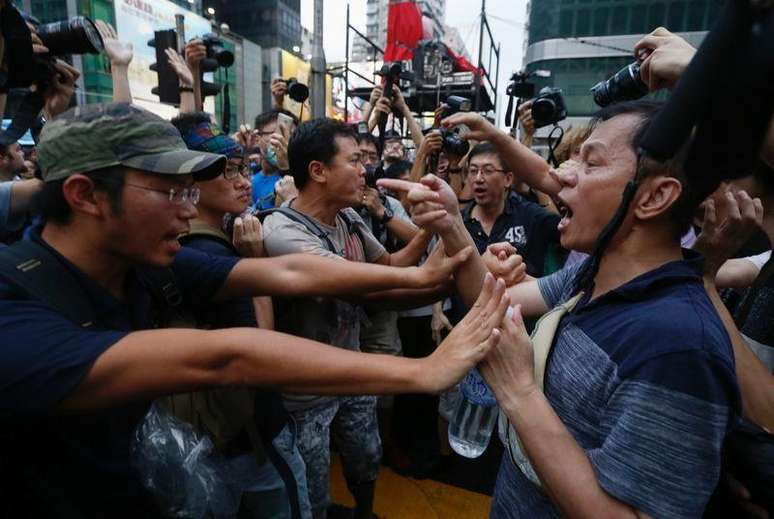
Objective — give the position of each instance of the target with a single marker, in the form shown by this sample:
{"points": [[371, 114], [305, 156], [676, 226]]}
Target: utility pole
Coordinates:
{"points": [[318, 63]]}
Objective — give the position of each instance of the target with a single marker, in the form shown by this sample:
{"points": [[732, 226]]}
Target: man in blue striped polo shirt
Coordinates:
{"points": [[639, 388]]}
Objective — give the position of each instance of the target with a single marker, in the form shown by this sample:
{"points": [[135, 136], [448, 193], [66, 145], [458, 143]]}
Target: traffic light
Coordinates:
{"points": [[167, 90]]}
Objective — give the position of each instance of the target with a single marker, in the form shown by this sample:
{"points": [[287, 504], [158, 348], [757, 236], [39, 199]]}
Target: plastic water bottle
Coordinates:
{"points": [[475, 417]]}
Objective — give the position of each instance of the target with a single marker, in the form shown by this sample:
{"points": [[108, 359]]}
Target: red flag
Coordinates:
{"points": [[404, 30]]}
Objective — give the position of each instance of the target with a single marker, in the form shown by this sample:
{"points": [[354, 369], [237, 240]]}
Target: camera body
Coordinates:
{"points": [[452, 143], [391, 74], [216, 51], [372, 174], [548, 107], [624, 85], [297, 91]]}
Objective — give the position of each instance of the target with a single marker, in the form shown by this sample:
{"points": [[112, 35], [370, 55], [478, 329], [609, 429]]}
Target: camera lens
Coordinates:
{"points": [[543, 111], [626, 84], [298, 92], [75, 36]]}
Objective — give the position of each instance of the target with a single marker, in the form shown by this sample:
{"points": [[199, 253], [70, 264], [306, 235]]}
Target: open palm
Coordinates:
{"points": [[119, 52]]}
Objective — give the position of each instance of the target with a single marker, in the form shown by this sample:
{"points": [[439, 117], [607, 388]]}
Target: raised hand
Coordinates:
{"points": [[58, 95], [479, 128], [471, 340], [439, 268], [180, 67], [195, 52], [248, 237], [664, 57], [279, 141], [525, 117], [503, 262], [509, 368], [433, 202], [729, 220], [279, 89], [120, 53], [438, 323]]}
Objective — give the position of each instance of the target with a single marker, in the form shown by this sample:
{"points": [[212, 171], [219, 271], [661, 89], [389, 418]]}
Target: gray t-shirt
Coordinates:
{"points": [[327, 320]]}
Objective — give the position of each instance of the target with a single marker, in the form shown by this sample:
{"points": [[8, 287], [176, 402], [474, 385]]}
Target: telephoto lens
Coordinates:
{"points": [[625, 85], [75, 36]]}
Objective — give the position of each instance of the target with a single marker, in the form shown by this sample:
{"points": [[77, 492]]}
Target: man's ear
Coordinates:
{"points": [[657, 196], [318, 172], [81, 196], [508, 180]]}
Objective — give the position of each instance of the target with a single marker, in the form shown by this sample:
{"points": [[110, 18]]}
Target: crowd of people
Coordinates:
{"points": [[192, 320]]}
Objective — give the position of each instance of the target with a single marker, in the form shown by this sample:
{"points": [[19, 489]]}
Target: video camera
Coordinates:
{"points": [[624, 85], [392, 75], [548, 107]]}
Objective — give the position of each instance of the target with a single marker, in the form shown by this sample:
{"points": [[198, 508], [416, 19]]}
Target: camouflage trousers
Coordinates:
{"points": [[352, 423]]}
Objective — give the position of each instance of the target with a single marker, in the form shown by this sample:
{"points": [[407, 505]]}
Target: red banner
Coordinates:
{"points": [[404, 30]]}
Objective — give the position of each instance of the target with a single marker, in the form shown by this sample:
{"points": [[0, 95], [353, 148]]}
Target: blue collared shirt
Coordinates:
{"points": [[643, 378]]}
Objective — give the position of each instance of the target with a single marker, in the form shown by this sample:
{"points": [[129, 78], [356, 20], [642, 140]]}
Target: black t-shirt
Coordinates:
{"points": [[527, 226], [76, 466], [755, 316]]}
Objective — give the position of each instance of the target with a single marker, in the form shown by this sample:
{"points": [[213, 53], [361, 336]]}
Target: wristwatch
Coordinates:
{"points": [[388, 214]]}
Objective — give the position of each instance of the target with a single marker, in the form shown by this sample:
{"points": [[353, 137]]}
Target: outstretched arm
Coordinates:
{"points": [[147, 364], [299, 274]]}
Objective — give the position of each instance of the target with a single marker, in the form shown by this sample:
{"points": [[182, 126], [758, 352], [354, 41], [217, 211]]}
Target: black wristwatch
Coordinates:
{"points": [[388, 214]]}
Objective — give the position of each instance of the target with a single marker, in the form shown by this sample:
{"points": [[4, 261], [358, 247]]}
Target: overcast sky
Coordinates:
{"points": [[506, 18]]}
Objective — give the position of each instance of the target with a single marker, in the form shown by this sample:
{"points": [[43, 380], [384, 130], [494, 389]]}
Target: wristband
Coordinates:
{"points": [[185, 89], [455, 170]]}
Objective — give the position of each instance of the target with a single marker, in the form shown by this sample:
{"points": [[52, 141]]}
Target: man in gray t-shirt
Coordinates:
{"points": [[325, 161]]}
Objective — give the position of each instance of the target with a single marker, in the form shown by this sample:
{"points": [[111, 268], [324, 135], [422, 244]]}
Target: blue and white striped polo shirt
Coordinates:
{"points": [[643, 378]]}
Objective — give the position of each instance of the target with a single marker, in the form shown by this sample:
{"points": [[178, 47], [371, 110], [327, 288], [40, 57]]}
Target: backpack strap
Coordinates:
{"points": [[31, 268], [200, 229], [299, 217]]}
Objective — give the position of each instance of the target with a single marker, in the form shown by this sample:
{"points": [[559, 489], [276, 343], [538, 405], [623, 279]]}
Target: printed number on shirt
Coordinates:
{"points": [[516, 235]]}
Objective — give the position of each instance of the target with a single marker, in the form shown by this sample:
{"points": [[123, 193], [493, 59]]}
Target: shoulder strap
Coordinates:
{"points": [[31, 268], [201, 229], [353, 229], [299, 217]]}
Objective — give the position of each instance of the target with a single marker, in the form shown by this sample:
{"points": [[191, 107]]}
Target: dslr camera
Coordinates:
{"points": [[624, 85], [452, 143], [78, 35], [216, 51], [297, 91], [548, 107]]}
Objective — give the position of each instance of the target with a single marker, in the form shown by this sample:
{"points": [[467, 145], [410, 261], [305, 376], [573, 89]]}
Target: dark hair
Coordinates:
{"points": [[370, 138], [694, 190], [485, 148], [184, 122], [314, 140], [265, 118], [397, 168], [51, 204]]}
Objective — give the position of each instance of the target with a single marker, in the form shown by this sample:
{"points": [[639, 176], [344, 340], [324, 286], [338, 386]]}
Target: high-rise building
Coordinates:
{"points": [[582, 42], [269, 23], [376, 25]]}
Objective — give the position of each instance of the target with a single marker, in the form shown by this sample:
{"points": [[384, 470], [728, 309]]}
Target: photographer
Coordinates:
{"points": [[272, 183], [381, 112]]}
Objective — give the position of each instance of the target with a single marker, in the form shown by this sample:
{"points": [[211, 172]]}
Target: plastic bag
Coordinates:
{"points": [[181, 468]]}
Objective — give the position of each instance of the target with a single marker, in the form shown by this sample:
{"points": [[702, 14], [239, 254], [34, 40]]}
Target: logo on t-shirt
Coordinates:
{"points": [[516, 235]]}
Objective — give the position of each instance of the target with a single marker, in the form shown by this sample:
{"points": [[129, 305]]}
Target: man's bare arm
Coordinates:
{"points": [[147, 364], [299, 274]]}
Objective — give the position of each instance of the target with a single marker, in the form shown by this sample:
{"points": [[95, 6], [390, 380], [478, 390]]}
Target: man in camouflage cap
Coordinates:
{"points": [[81, 359]]}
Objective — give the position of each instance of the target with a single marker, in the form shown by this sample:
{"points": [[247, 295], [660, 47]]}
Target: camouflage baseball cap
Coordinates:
{"points": [[96, 136]]}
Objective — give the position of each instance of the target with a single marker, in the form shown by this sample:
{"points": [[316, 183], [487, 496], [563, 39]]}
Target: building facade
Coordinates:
{"points": [[582, 42], [267, 23]]}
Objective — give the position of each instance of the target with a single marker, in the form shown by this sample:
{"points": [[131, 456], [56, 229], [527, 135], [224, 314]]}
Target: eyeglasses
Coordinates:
{"points": [[176, 196], [487, 171], [232, 171]]}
